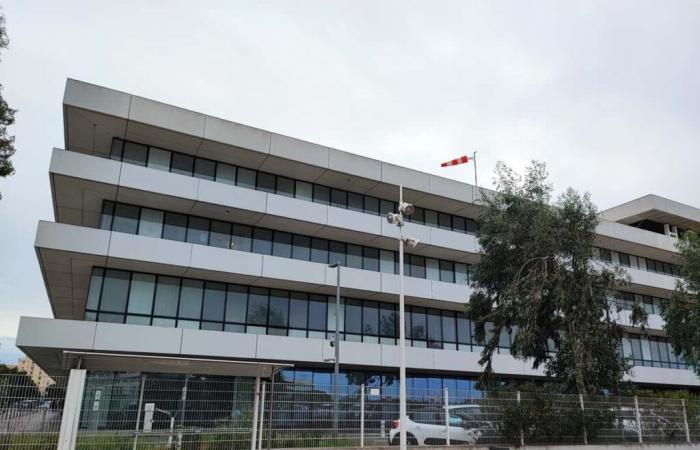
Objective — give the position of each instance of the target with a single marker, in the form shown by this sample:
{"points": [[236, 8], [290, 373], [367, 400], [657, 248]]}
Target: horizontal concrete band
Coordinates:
{"points": [[45, 339]]}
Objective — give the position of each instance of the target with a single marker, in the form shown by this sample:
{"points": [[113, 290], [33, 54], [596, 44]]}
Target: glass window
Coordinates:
{"points": [[464, 332], [234, 328], [355, 202], [262, 241], [304, 191], [141, 293], [339, 198], [317, 312], [182, 164], [302, 247], [431, 218], [471, 226], [266, 182], [214, 302], [220, 235], [461, 273], [160, 322], [319, 250], [459, 224], [445, 221], [198, 231], [336, 253], [285, 186], [449, 330], [417, 266], [213, 326], [245, 178], [370, 318], [371, 205], [95, 289], [418, 323], [175, 227], [111, 318], [418, 215], [159, 159], [434, 328], [126, 218], [386, 261], [151, 223], [624, 259], [370, 259], [114, 291], [116, 150], [322, 194], [135, 153], [204, 169], [106, 216], [354, 256], [605, 255], [331, 316], [241, 238], [385, 207], [236, 303], [387, 320], [298, 307], [353, 316], [167, 294], [138, 320], [191, 299], [257, 306], [282, 246], [447, 273], [432, 267], [279, 308], [226, 173], [189, 324]]}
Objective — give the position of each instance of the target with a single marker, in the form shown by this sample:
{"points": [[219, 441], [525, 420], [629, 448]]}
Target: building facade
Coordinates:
{"points": [[39, 377], [180, 239]]}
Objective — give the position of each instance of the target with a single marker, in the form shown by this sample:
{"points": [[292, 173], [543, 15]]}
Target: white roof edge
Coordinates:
{"points": [[651, 202]]}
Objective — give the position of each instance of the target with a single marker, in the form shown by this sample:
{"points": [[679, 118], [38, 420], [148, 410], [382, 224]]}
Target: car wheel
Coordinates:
{"points": [[394, 441], [411, 439]]}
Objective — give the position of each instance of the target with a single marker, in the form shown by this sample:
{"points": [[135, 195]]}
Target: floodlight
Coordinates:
{"points": [[406, 209], [394, 218], [410, 242]]}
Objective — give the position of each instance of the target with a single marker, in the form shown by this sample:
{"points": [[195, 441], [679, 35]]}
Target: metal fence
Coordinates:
{"points": [[158, 412]]}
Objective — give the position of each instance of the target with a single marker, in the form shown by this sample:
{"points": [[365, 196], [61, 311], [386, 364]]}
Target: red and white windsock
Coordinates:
{"points": [[461, 160]]}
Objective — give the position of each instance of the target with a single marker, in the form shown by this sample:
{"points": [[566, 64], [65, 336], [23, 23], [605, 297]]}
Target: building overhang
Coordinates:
{"points": [[656, 208]]}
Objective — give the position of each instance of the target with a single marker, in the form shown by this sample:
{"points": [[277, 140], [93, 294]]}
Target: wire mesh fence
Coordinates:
{"points": [[29, 418], [167, 412]]}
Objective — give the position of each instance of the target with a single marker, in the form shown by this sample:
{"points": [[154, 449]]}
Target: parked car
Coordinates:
{"points": [[427, 426]]}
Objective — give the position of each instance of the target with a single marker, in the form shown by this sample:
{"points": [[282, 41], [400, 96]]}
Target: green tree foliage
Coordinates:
{"points": [[7, 118], [537, 280], [682, 315]]}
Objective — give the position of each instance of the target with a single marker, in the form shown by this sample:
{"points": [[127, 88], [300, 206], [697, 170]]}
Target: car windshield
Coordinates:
{"points": [[466, 413]]}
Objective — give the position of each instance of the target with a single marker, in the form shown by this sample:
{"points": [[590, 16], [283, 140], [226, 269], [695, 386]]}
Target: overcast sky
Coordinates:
{"points": [[606, 93]]}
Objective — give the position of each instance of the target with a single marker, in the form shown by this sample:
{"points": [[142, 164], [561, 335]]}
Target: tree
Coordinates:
{"points": [[7, 118], [538, 281], [682, 315]]}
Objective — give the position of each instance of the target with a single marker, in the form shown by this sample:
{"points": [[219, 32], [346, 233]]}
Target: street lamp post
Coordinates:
{"points": [[405, 209], [336, 362]]}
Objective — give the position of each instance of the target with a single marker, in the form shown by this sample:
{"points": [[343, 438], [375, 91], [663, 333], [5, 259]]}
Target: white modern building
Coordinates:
{"points": [[185, 243]]}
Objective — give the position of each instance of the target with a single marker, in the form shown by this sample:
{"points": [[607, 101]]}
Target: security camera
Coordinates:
{"points": [[406, 208], [410, 242], [394, 219]]}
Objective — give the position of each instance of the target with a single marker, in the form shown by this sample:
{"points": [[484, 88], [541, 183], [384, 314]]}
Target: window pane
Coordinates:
{"points": [[116, 150], [298, 310], [236, 303], [317, 312], [213, 326], [471, 226], [225, 173], [387, 320], [371, 205], [167, 293], [241, 238], [418, 324], [339, 198], [175, 227], [106, 216], [461, 273], [285, 186], [114, 291], [265, 182], [434, 326], [385, 207], [331, 316], [282, 245], [191, 299], [234, 328], [262, 241], [189, 324], [159, 159], [624, 259], [257, 306], [418, 215], [245, 178], [449, 331], [417, 266], [370, 259], [354, 256], [319, 250], [386, 261], [135, 153], [464, 332], [111, 318], [159, 322], [336, 253], [138, 320], [141, 293], [198, 231], [214, 302], [304, 190], [279, 308], [432, 269], [182, 164], [95, 289], [431, 218], [204, 169], [302, 248], [355, 202], [447, 273], [370, 318], [151, 223], [445, 221], [322, 194], [353, 316], [220, 235], [126, 218], [459, 224]]}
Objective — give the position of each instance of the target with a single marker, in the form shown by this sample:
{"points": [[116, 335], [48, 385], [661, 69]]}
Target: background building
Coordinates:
{"points": [[39, 377]]}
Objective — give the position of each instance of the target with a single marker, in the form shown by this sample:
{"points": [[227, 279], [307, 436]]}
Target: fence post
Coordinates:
{"points": [[639, 418], [71, 409], [138, 412], [447, 417], [256, 406], [362, 415], [522, 434], [685, 422], [583, 412], [262, 416]]}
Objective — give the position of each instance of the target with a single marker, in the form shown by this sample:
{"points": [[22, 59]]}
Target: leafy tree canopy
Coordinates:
{"points": [[7, 118], [537, 280]]}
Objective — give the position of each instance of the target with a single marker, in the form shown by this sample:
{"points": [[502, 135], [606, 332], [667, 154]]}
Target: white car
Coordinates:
{"points": [[427, 426]]}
